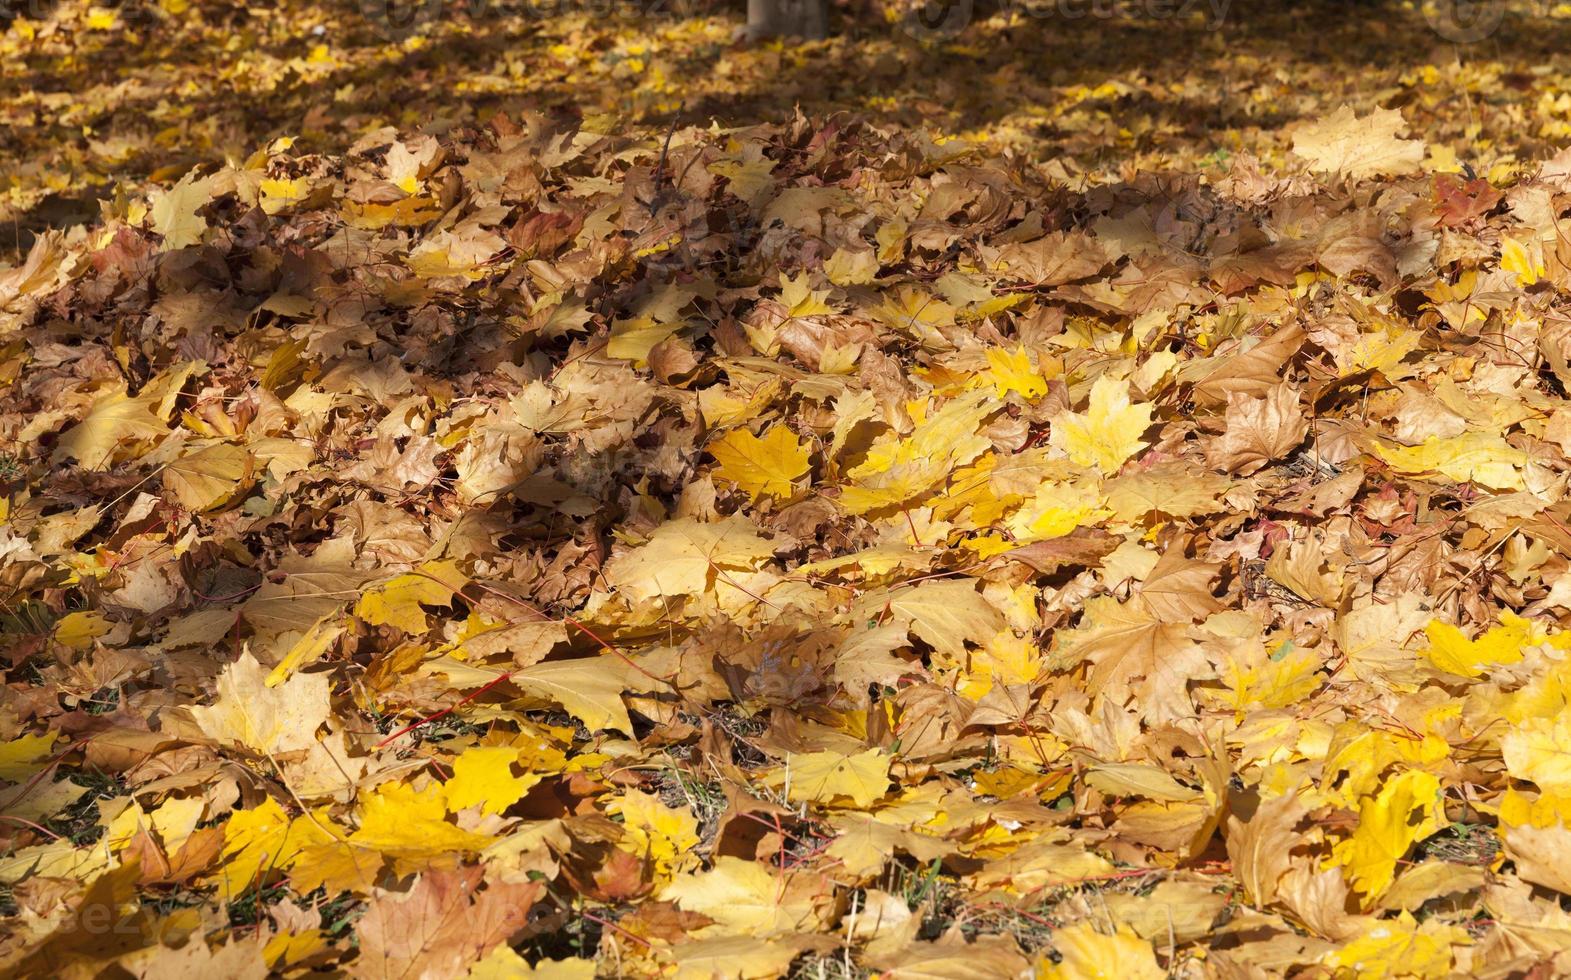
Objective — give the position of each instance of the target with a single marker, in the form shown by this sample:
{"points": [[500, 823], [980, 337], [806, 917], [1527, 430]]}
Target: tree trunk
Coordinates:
{"points": [[787, 18]]}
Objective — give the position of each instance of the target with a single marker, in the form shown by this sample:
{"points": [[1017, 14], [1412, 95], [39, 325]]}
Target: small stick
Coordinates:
{"points": [[665, 150]]}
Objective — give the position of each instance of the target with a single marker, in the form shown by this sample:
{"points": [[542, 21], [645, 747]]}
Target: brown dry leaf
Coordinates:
{"points": [[441, 926], [1133, 655], [1261, 848], [988, 957], [1179, 589], [1260, 431], [1053, 259]]}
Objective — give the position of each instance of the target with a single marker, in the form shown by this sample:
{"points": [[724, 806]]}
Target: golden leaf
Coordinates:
{"points": [[210, 477], [265, 719], [1086, 953], [483, 775], [1345, 144], [1109, 431], [174, 212], [824, 777], [1387, 829], [762, 467]]}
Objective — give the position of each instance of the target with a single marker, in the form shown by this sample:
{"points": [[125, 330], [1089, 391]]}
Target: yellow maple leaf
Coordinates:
{"points": [[455, 253], [828, 776], [944, 614], [278, 719], [264, 840], [1540, 810], [1366, 757], [896, 470], [889, 488], [337, 866], [589, 689], [172, 823], [800, 299], [633, 338], [1367, 147], [290, 949], [1380, 350], [21, 757], [1387, 829], [113, 419], [117, 418], [79, 629], [174, 212], [209, 477], [401, 821], [315, 642], [1472, 457], [504, 963], [280, 194], [1517, 260], [1256, 679], [749, 173], [406, 212], [1012, 371], [913, 311], [851, 268], [1108, 433], [1399, 947], [1539, 749], [397, 601], [1451, 650], [665, 835], [746, 898], [56, 859], [1057, 509], [762, 467], [483, 775], [684, 557], [1005, 659], [1086, 954]]}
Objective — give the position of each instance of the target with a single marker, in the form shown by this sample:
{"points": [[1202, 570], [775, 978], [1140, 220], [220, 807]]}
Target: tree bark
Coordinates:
{"points": [[787, 18]]}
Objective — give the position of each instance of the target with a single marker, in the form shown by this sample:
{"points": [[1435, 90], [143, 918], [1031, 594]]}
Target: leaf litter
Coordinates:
{"points": [[571, 538]]}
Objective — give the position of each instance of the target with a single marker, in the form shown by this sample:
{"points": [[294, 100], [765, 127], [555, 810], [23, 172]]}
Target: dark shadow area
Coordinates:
{"points": [[146, 94]]}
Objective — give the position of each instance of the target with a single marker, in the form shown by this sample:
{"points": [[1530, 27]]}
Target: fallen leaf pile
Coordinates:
{"points": [[532, 546]]}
